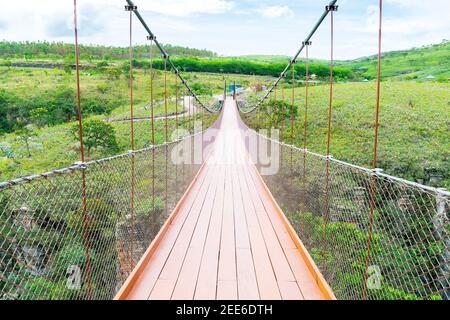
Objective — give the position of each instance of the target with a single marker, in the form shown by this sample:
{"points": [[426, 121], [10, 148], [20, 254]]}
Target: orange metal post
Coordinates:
{"points": [[282, 106], [153, 133], [82, 156], [275, 107], [133, 169], [375, 149], [327, 204], [176, 102], [293, 104], [166, 209], [305, 125]]}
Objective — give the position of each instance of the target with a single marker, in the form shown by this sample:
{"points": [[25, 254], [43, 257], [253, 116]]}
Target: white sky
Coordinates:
{"points": [[233, 27]]}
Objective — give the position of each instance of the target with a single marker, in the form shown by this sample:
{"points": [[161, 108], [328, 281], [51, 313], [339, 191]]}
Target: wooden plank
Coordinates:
{"points": [[247, 284], [162, 290], [267, 283], [185, 286], [206, 288], [241, 232], [289, 290], [308, 286], [227, 258], [145, 282], [282, 234], [251, 219], [226, 290], [316, 274], [187, 279], [156, 267], [175, 260], [280, 264]]}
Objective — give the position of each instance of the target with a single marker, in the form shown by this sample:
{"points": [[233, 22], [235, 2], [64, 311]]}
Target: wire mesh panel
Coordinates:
{"points": [[59, 240], [401, 253]]}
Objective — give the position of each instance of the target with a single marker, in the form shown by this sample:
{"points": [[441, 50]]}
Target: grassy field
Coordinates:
{"points": [[56, 146], [417, 63], [414, 126], [411, 64]]}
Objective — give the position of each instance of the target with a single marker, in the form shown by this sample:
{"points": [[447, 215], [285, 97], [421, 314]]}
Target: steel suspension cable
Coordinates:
{"points": [[308, 38], [375, 149], [164, 53], [332, 9], [82, 153]]}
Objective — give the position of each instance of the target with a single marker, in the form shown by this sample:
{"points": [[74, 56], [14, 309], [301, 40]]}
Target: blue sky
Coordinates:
{"points": [[234, 27]]}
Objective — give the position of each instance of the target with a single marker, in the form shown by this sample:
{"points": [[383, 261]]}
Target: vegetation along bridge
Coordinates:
{"points": [[227, 208]]}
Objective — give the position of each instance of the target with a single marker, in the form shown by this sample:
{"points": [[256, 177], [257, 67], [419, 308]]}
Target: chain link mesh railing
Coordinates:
{"points": [[56, 243], [409, 248]]}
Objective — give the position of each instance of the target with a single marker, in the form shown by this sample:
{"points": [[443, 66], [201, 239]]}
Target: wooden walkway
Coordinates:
{"points": [[227, 238]]}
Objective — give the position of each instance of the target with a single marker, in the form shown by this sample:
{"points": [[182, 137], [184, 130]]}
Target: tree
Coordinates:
{"points": [[24, 134], [39, 116], [69, 62], [97, 134]]}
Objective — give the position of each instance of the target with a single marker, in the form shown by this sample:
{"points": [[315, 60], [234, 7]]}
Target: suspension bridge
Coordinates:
{"points": [[225, 211]]}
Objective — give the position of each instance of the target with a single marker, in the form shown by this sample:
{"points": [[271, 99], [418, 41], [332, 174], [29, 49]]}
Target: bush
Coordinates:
{"points": [[97, 134]]}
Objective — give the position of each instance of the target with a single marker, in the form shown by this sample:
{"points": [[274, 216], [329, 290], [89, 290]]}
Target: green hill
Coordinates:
{"points": [[416, 63], [58, 50], [411, 64]]}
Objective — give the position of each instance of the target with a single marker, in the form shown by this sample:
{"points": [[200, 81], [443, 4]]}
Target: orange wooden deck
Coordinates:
{"points": [[227, 239]]}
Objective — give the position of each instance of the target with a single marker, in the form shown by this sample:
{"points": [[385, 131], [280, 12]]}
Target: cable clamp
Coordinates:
{"points": [[80, 165], [6, 184], [331, 8], [151, 37], [307, 43], [377, 171], [130, 8]]}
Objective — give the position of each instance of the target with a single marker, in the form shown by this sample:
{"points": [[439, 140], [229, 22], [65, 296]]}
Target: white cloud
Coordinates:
{"points": [[418, 3], [276, 12], [182, 8], [198, 23], [418, 18]]}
